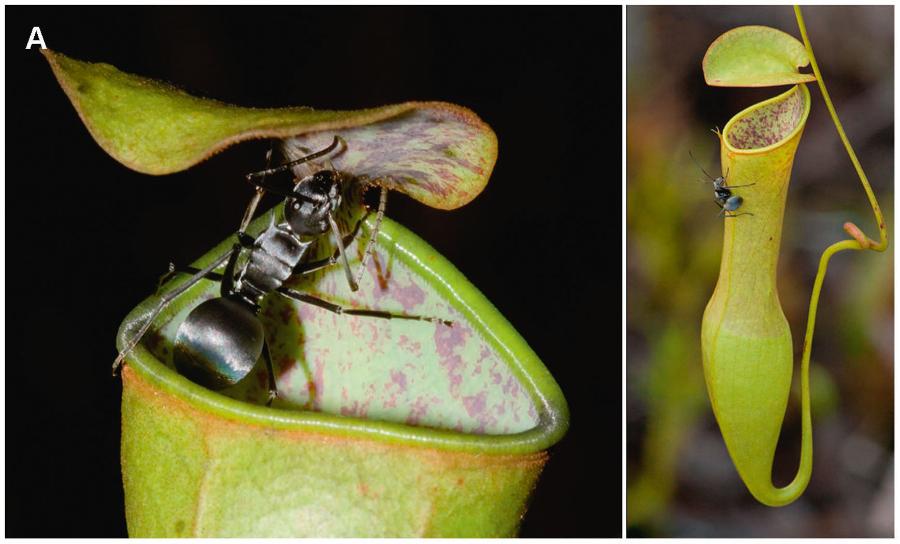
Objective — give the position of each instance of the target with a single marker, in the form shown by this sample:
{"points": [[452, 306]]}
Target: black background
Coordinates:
{"points": [[86, 238]]}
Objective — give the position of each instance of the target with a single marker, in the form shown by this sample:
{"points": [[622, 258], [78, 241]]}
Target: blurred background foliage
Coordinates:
{"points": [[680, 479]]}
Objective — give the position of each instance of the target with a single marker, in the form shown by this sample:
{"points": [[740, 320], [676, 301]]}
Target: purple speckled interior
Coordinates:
{"points": [[769, 124], [413, 372]]}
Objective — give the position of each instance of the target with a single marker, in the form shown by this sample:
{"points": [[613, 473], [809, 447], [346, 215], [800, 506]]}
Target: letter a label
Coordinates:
{"points": [[36, 38]]}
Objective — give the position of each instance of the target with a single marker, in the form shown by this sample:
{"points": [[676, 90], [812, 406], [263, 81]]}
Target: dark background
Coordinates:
{"points": [[88, 238]]}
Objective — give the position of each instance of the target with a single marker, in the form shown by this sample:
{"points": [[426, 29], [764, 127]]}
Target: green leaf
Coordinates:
{"points": [[382, 427], [755, 56], [440, 154]]}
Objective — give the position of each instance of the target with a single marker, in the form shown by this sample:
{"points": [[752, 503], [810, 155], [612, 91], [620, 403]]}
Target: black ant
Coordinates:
{"points": [[221, 340], [724, 198]]}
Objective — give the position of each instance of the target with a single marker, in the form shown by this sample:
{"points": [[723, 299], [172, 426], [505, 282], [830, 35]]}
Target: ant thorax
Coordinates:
{"points": [[265, 267], [306, 217]]}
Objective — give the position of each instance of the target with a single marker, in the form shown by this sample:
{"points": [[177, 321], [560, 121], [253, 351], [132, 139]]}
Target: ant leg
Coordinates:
{"points": [[325, 305], [164, 279], [273, 388], [161, 305], [173, 270], [343, 253], [736, 186], [244, 239], [724, 213], [382, 204], [254, 202], [315, 266]]}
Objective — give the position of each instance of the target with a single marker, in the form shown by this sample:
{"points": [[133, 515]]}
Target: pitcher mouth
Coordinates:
{"points": [[768, 124], [542, 421]]}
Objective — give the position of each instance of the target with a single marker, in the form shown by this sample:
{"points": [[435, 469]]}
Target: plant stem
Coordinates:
{"points": [[864, 241], [860, 240]]}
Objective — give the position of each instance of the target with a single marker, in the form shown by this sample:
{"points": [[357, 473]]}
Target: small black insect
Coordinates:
{"points": [[221, 340], [726, 200]]}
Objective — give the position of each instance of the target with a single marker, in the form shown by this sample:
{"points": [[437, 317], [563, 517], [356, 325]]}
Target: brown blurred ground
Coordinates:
{"points": [[680, 479]]}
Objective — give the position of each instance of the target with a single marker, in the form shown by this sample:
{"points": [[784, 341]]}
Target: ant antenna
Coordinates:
{"points": [[382, 204], [343, 252], [700, 167], [301, 160]]}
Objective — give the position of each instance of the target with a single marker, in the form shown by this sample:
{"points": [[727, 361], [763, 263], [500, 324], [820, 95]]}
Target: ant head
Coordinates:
{"points": [[314, 198]]}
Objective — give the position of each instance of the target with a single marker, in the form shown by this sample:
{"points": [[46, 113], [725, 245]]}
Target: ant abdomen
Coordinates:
{"points": [[218, 343]]}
